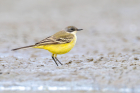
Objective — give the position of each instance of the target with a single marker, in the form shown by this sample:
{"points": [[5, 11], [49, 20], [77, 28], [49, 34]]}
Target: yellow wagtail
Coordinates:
{"points": [[59, 43]]}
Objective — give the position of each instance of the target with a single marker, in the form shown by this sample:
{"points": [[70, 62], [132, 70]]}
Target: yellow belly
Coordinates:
{"points": [[59, 48]]}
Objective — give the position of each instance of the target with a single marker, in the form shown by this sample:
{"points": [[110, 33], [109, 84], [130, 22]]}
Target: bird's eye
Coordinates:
{"points": [[72, 29]]}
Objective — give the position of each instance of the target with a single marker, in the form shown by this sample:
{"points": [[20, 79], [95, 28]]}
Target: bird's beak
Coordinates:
{"points": [[79, 29]]}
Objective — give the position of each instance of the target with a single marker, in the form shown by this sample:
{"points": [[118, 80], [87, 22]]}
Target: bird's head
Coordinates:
{"points": [[72, 29]]}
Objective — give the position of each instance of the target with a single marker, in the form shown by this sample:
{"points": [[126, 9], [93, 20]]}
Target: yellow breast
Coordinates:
{"points": [[59, 48]]}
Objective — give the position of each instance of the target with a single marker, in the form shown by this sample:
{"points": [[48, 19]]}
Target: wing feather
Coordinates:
{"points": [[61, 37]]}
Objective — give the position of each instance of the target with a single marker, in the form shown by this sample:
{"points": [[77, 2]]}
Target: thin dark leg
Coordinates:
{"points": [[58, 60], [54, 60]]}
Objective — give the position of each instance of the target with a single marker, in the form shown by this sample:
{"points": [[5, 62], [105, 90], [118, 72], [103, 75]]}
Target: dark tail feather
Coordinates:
{"points": [[23, 47]]}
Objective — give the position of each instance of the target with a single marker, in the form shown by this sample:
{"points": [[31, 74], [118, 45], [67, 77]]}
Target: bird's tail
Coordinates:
{"points": [[23, 47]]}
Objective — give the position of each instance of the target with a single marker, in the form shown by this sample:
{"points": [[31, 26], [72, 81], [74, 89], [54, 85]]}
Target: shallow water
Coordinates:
{"points": [[62, 86]]}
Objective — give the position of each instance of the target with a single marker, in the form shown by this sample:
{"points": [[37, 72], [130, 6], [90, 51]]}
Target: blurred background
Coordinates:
{"points": [[25, 22]]}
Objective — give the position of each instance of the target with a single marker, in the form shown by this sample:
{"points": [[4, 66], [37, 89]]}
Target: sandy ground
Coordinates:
{"points": [[105, 58]]}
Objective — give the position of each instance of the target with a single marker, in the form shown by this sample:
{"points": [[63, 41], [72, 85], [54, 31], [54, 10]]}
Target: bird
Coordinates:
{"points": [[59, 43]]}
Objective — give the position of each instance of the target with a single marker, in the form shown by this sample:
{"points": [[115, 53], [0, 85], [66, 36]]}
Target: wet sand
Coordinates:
{"points": [[106, 55]]}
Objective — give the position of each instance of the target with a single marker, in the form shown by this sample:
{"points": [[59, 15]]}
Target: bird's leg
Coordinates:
{"points": [[57, 59], [54, 59]]}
